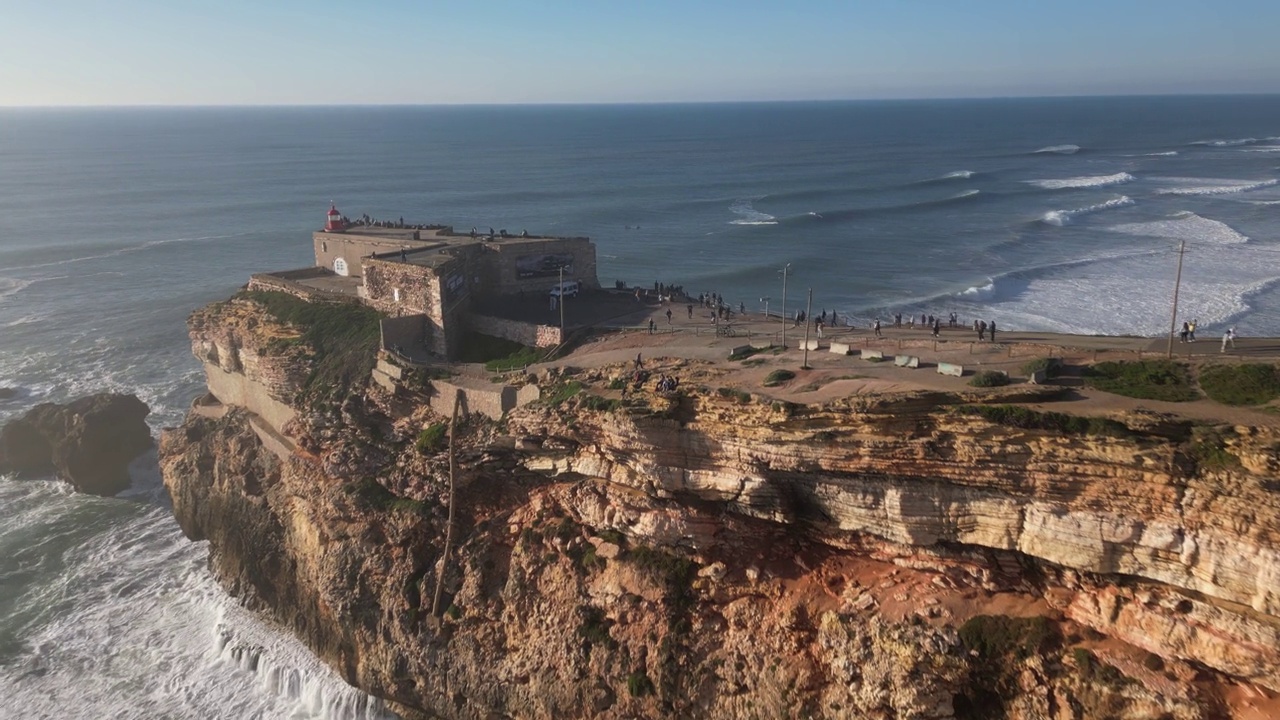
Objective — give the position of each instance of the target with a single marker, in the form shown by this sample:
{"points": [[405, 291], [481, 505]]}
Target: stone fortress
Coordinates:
{"points": [[433, 281]]}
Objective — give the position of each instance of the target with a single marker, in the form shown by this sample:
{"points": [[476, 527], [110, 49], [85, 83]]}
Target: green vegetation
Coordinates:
{"points": [[745, 352], [594, 629], [371, 495], [1052, 367], [344, 337], [454, 612], [1208, 448], [497, 354], [1091, 668], [563, 392], [740, 396], [989, 378], [595, 402], [1028, 419], [639, 684], [617, 383], [1251, 384], [676, 574], [1144, 379], [433, 439], [999, 636], [777, 377]]}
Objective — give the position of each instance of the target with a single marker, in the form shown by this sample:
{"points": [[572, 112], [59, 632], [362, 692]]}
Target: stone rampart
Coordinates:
{"points": [[281, 282], [525, 333], [491, 402], [233, 388]]}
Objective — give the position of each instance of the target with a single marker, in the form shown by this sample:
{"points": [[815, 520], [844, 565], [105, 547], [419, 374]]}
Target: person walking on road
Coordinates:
{"points": [[668, 316]]}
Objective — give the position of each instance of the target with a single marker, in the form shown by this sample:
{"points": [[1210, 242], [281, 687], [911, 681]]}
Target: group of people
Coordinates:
{"points": [[1188, 331]]}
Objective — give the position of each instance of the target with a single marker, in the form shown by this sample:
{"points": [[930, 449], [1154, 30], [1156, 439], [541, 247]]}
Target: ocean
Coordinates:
{"points": [[1044, 214]]}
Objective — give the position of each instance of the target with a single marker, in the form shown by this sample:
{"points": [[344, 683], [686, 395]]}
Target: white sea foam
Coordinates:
{"points": [[980, 291], [1086, 181], [1062, 217], [1264, 149], [1185, 226], [1219, 187], [1226, 143], [956, 175], [748, 215], [1060, 149], [965, 194], [1169, 153]]}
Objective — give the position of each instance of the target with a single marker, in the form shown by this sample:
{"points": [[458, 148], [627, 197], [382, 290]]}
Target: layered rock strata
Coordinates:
{"points": [[722, 556]]}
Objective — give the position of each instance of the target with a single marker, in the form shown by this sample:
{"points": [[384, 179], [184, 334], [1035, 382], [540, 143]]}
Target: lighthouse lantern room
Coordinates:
{"points": [[334, 223]]}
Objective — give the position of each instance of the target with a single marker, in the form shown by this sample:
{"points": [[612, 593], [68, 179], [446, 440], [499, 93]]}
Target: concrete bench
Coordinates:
{"points": [[761, 344], [840, 348], [1039, 377], [950, 369], [808, 344], [906, 361], [740, 350], [872, 354]]}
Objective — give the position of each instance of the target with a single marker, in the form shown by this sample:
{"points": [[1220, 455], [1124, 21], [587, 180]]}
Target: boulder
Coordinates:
{"points": [[7, 392], [88, 442]]}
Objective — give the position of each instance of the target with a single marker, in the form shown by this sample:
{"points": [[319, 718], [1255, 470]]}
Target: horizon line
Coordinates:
{"points": [[625, 103]]}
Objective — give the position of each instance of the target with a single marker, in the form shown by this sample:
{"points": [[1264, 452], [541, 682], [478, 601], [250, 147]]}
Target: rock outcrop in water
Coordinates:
{"points": [[88, 442], [721, 555]]}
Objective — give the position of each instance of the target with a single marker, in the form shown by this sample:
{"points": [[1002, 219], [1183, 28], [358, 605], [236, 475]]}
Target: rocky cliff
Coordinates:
{"points": [[713, 553]]}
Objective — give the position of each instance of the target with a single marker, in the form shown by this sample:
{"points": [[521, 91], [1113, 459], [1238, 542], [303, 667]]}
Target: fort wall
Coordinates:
{"points": [[525, 333], [233, 388]]}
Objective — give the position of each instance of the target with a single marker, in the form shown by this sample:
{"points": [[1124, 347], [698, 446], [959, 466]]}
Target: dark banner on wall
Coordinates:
{"points": [[547, 265]]}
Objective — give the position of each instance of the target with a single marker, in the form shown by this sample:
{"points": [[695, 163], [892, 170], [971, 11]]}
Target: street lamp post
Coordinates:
{"points": [[766, 300], [785, 268], [807, 313], [560, 300]]}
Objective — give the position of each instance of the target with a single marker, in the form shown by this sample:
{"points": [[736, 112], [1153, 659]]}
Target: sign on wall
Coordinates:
{"points": [[543, 265], [453, 285]]}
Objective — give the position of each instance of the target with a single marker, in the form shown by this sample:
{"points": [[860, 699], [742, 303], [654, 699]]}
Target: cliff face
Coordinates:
{"points": [[715, 556]]}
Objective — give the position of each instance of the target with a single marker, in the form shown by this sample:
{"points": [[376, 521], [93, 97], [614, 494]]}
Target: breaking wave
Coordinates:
{"points": [[1084, 181], [12, 286], [1220, 187], [1226, 143], [1062, 217], [748, 215], [1058, 150], [956, 175], [1186, 226], [851, 213]]}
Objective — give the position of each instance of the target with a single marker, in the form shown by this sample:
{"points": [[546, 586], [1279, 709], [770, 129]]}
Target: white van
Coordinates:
{"points": [[568, 288]]}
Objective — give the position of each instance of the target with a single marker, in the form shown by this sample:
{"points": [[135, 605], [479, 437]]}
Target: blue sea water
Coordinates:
{"points": [[1050, 214]]}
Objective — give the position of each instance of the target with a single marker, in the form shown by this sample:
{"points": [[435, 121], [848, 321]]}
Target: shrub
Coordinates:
{"points": [[595, 402], [744, 353], [497, 354], [989, 378], [563, 392], [617, 383], [1251, 384], [343, 336], [639, 684], [1144, 379], [432, 439], [594, 629], [454, 612], [777, 377], [1028, 419], [1051, 367], [1208, 449], [740, 396], [994, 636]]}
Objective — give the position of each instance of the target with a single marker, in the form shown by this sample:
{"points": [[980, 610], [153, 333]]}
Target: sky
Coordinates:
{"points": [[330, 52]]}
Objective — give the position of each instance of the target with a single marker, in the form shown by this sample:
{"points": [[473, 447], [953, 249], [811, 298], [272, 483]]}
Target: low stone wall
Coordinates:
{"points": [[233, 388], [906, 361], [868, 354], [277, 282], [408, 332], [950, 369], [492, 403], [840, 348], [525, 333]]}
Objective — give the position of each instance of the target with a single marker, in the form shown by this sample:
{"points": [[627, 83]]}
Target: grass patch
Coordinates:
{"points": [[595, 402], [1144, 379], [1208, 448], [739, 396], [563, 392], [676, 574], [999, 636], [432, 439], [344, 337], [497, 354], [777, 377], [639, 684], [1050, 366], [1028, 419], [746, 352], [1251, 384], [989, 378]]}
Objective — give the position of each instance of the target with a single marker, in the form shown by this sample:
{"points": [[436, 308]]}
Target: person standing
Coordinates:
{"points": [[992, 326], [1182, 334], [668, 316], [651, 326], [1191, 330], [1229, 337], [876, 327], [982, 330]]}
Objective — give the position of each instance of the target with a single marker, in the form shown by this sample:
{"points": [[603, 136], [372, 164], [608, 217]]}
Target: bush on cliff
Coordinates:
{"points": [[777, 377], [432, 439], [989, 378], [1251, 384], [1051, 367], [1144, 379], [344, 337], [1028, 419]]}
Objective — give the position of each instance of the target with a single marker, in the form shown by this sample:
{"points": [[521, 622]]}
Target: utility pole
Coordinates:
{"points": [[765, 300], [1173, 323], [560, 300], [808, 313], [784, 305]]}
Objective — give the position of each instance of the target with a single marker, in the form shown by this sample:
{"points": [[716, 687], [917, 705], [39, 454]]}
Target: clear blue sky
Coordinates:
{"points": [[180, 52]]}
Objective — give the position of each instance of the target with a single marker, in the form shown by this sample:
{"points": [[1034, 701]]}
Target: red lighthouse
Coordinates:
{"points": [[335, 222]]}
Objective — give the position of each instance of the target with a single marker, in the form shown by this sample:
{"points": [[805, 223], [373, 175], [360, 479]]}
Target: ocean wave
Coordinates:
{"points": [[1169, 153], [13, 286], [1086, 181], [1058, 150], [839, 215], [979, 291], [956, 175], [1062, 217], [1225, 143], [1222, 187], [127, 250], [1185, 226], [1264, 149], [748, 215]]}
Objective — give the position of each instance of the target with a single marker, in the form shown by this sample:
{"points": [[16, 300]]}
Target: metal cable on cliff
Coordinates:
{"points": [[448, 531]]}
